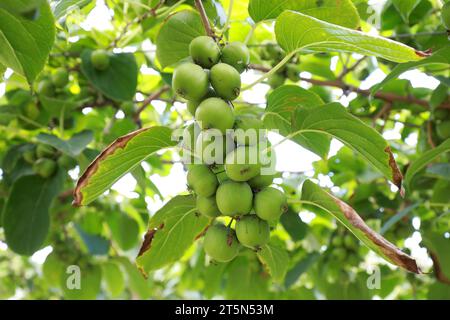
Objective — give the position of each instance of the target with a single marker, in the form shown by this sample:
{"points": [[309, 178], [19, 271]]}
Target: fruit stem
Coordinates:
{"points": [[205, 21], [272, 71]]}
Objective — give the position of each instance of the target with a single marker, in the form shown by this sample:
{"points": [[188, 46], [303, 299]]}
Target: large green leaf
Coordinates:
{"points": [[172, 230], [405, 7], [301, 267], [281, 105], [313, 195], [124, 230], [119, 158], [334, 120], [118, 81], [114, 279], [72, 147], [295, 31], [441, 57], [175, 35], [25, 43], [26, 216], [342, 13], [425, 159], [275, 259]]}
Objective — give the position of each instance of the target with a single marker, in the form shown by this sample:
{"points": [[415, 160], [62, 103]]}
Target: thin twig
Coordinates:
{"points": [[204, 17], [149, 99], [430, 134]]}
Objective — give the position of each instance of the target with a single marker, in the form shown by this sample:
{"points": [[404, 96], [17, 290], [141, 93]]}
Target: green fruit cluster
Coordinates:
{"points": [[227, 151], [344, 247], [45, 160], [274, 54]]}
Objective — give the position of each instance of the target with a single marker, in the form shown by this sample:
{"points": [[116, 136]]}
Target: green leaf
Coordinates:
{"points": [[64, 7], [90, 282], [397, 217], [440, 57], [20, 6], [334, 120], [119, 158], [113, 276], [125, 230], [119, 81], [26, 43], [405, 7], [136, 282], [175, 35], [342, 13], [72, 147], [275, 259], [301, 267], [281, 105], [55, 106], [317, 35], [95, 244], [293, 225], [26, 217], [313, 195], [438, 246], [425, 159], [172, 230]]}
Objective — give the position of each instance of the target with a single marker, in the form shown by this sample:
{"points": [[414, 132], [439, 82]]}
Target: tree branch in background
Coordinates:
{"points": [[149, 99], [389, 97], [205, 21]]}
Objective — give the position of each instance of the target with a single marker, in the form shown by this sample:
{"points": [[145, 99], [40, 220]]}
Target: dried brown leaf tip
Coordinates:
{"points": [[397, 176], [148, 240], [387, 249], [424, 54], [119, 143]]}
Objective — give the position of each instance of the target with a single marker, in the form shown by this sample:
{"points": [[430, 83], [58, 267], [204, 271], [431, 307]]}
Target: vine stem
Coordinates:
{"points": [[204, 17], [271, 71], [227, 22]]}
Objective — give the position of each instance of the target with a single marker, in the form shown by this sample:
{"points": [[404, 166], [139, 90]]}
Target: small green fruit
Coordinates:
{"points": [[204, 51], [339, 253], [128, 108], [44, 167], [275, 53], [60, 78], [66, 162], [276, 80], [202, 180], [190, 135], [212, 147], [29, 156], [190, 81], [261, 181], [237, 55], [349, 241], [337, 241], [252, 232], [192, 105], [45, 151], [445, 15], [234, 198], [221, 243], [270, 203], [215, 113], [226, 81], [292, 72], [31, 111], [207, 206], [443, 130], [242, 163], [248, 130], [46, 88], [100, 59]]}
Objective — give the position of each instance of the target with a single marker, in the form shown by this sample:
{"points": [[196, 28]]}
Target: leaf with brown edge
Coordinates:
{"points": [[334, 120], [313, 195], [172, 230], [119, 158]]}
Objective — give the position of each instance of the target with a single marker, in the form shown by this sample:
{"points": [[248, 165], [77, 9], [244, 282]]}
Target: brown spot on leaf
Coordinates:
{"points": [[148, 240], [119, 143], [390, 251], [424, 54], [397, 176]]}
